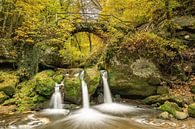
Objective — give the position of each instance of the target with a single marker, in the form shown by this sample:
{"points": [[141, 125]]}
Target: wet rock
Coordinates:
{"points": [[8, 84], [164, 115], [191, 110], [156, 99], [170, 107], [160, 99], [181, 115], [162, 90], [3, 97]]}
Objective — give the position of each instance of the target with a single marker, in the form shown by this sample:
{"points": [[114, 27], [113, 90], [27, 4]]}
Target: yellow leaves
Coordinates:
{"points": [[29, 41]]}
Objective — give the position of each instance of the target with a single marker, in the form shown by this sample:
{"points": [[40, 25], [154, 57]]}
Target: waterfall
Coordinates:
{"points": [[56, 99], [85, 94], [107, 93]]}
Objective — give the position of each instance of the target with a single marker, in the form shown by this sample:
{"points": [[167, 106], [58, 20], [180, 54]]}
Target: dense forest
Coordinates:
{"points": [[146, 46]]}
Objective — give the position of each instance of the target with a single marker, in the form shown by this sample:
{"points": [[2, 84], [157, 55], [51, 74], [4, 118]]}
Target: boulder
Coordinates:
{"points": [[137, 78], [191, 110], [44, 83], [170, 107], [156, 99], [92, 78], [8, 83], [160, 99], [29, 94], [164, 115], [185, 29], [181, 115], [72, 84]]}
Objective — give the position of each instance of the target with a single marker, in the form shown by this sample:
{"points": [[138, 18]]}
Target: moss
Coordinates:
{"points": [[44, 74], [142, 89], [45, 86], [23, 95], [30, 93], [191, 110], [3, 97], [92, 78], [44, 82], [58, 78], [8, 83], [156, 99], [72, 89], [170, 107], [10, 101]]}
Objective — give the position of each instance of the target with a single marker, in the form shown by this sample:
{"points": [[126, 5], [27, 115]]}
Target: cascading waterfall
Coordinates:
{"points": [[56, 102], [56, 99], [108, 105], [107, 93], [85, 91]]}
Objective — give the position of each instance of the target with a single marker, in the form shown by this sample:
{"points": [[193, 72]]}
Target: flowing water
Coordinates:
{"points": [[56, 102], [56, 99], [144, 118], [109, 106], [107, 93], [131, 117], [85, 94]]}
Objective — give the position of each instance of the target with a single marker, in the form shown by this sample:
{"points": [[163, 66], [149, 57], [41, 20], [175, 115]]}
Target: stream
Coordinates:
{"points": [[138, 117]]}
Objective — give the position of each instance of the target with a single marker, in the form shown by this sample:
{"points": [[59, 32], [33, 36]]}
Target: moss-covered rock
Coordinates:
{"points": [[156, 99], [92, 78], [58, 78], [29, 94], [44, 83], [191, 110], [45, 86], [72, 85], [185, 28], [134, 79], [3, 97], [24, 95], [8, 83], [160, 99], [162, 90], [170, 107]]}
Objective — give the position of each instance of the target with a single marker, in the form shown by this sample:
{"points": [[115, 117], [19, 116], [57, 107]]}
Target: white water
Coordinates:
{"points": [[84, 91], [107, 93], [108, 105], [56, 99], [56, 102]]}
